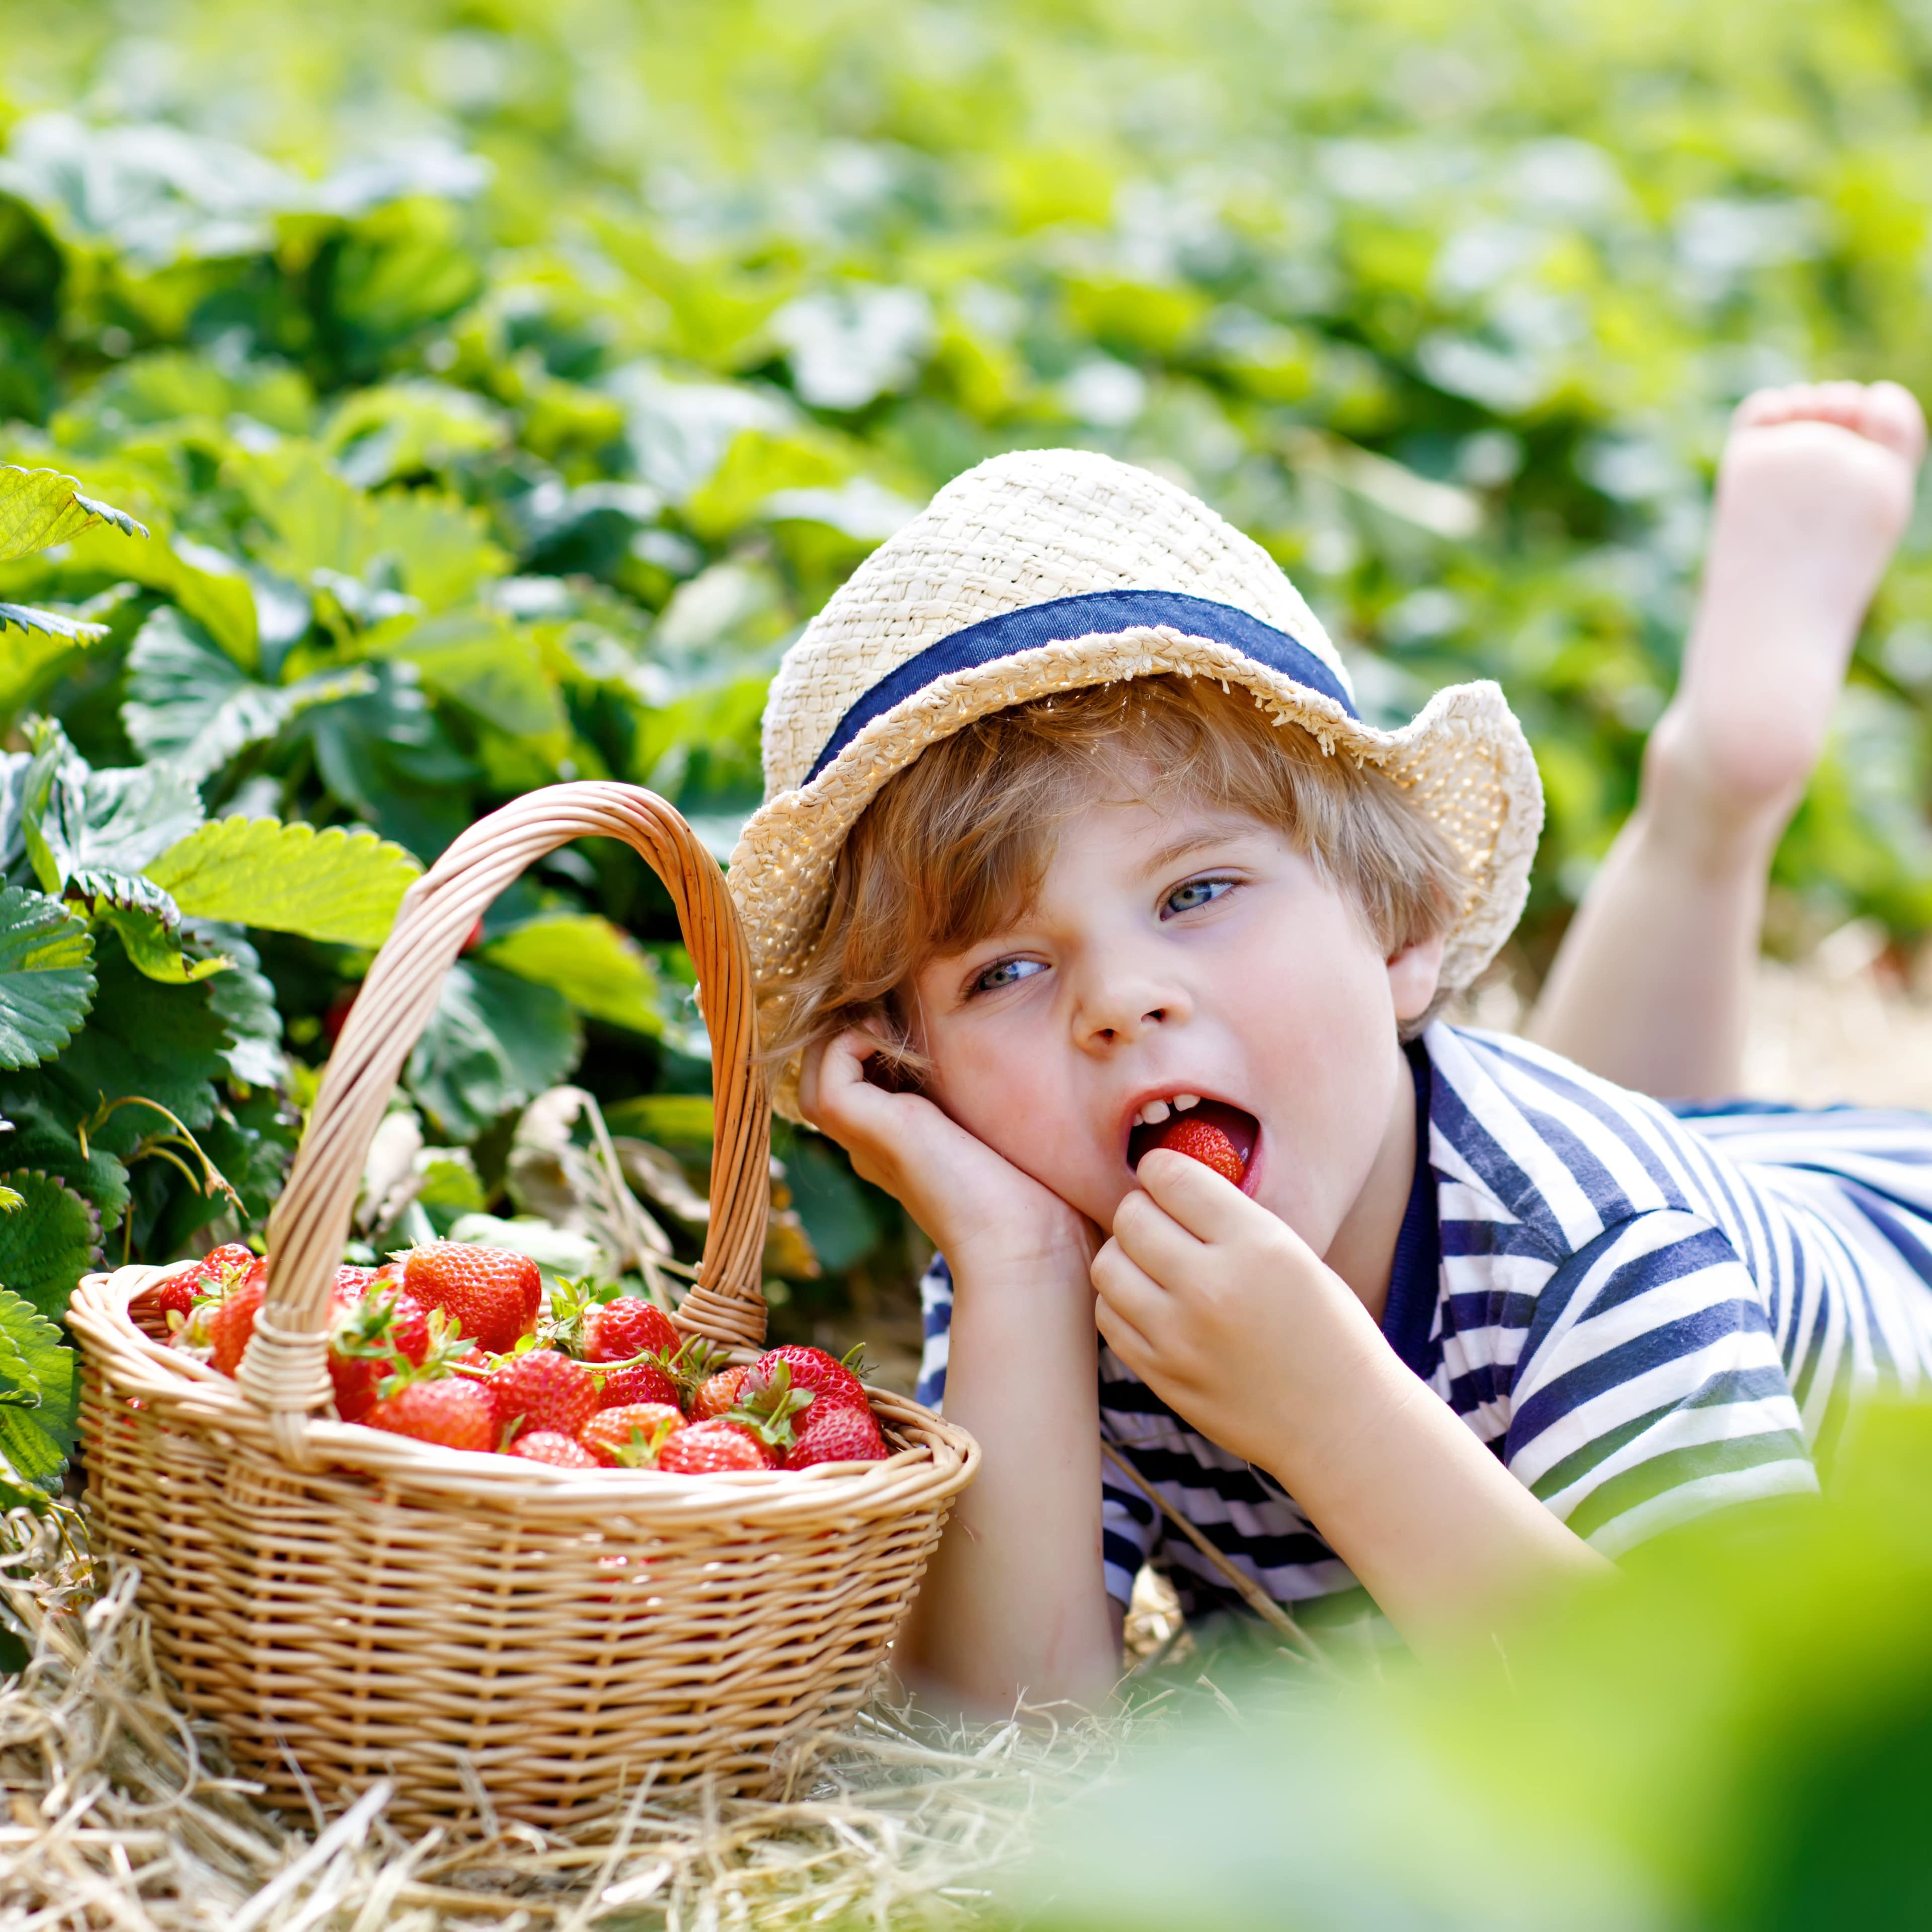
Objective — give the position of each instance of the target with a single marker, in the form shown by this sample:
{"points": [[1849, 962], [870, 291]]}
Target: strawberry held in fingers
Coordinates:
{"points": [[492, 1294], [1203, 1140]]}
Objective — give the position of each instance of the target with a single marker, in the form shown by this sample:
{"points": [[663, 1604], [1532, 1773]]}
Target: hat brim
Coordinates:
{"points": [[1463, 758]]}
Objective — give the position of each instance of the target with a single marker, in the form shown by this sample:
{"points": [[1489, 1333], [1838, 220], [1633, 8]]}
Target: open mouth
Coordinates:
{"points": [[1162, 1119]]}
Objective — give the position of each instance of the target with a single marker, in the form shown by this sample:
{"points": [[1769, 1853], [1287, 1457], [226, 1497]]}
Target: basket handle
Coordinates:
{"points": [[286, 1370]]}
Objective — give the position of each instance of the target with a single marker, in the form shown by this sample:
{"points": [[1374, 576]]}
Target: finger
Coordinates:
{"points": [[1126, 1288], [1150, 1237], [1762, 406], [836, 1075], [1134, 1350], [1207, 1204]]}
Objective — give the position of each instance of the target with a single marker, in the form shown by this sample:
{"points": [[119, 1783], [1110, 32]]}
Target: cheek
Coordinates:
{"points": [[997, 1084], [1323, 1031]]}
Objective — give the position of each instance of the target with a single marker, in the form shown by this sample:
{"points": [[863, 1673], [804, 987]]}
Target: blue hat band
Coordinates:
{"points": [[1097, 613]]}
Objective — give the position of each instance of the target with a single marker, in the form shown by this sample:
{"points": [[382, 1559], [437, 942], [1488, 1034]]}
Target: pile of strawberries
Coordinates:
{"points": [[452, 1344]]}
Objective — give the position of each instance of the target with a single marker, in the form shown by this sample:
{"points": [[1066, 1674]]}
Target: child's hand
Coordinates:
{"points": [[1225, 1312], [976, 1207]]}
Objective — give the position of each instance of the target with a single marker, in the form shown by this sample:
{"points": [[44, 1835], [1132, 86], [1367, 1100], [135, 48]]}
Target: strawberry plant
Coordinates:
{"points": [[444, 466]]}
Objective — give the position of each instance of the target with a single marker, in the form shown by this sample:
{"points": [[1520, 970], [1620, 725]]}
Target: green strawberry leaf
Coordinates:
{"points": [[47, 1243], [598, 966], [143, 1041], [492, 1043], [43, 1118], [46, 982], [244, 999], [149, 944], [397, 428], [76, 821], [317, 520], [476, 660], [41, 508], [333, 885], [39, 1384], [682, 1120], [71, 630], [190, 705]]}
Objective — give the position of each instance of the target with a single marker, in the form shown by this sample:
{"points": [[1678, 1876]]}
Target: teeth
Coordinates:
{"points": [[1153, 1113], [1182, 1102]]}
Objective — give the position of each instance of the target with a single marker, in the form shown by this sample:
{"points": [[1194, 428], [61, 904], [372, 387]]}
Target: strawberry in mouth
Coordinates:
{"points": [[1211, 1131]]}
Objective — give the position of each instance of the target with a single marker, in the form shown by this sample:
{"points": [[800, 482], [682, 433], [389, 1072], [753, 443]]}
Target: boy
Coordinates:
{"points": [[1073, 838]]}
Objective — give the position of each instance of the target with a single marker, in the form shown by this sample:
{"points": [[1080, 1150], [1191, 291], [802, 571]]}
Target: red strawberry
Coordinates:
{"points": [[365, 1336], [630, 1438], [177, 1295], [708, 1448], [544, 1391], [837, 1435], [352, 1284], [546, 1445], [492, 1294], [638, 1381], [455, 1412], [716, 1393], [616, 1331], [816, 1373], [230, 1326], [229, 1262], [1202, 1140]]}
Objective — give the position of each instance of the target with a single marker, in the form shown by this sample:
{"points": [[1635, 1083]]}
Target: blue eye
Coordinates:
{"points": [[1004, 972], [1194, 894]]}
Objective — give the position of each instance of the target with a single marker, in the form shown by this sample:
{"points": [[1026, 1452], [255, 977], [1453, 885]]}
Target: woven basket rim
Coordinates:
{"points": [[202, 1399]]}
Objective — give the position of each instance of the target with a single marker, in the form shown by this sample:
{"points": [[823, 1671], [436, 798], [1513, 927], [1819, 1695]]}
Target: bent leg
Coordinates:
{"points": [[1651, 985]]}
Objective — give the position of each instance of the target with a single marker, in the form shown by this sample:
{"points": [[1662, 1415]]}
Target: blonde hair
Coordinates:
{"points": [[955, 846]]}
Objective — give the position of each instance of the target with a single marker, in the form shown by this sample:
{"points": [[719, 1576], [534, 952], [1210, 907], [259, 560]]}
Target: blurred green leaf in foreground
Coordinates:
{"points": [[1736, 1734], [486, 394]]}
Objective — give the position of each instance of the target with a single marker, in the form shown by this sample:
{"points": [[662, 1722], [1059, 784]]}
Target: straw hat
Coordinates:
{"points": [[1048, 570]]}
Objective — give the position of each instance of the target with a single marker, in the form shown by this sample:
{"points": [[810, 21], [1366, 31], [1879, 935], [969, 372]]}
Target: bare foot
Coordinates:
{"points": [[1813, 492]]}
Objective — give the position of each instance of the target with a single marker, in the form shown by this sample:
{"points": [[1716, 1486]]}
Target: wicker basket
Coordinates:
{"points": [[494, 1634]]}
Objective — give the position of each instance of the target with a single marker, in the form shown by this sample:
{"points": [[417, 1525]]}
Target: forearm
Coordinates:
{"points": [[1444, 1538], [1651, 985], [1013, 1603]]}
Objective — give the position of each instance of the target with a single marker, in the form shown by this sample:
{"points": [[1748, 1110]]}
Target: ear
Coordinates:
{"points": [[1415, 973]]}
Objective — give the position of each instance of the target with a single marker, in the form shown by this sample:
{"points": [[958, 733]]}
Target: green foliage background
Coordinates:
{"points": [[504, 383]]}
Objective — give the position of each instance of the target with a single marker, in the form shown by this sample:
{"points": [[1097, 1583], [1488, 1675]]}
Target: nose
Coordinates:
{"points": [[1121, 1003]]}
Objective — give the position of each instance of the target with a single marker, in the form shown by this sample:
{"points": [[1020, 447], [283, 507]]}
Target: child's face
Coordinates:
{"points": [[1176, 949]]}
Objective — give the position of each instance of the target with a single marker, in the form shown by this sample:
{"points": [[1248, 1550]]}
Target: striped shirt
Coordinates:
{"points": [[1646, 1313]]}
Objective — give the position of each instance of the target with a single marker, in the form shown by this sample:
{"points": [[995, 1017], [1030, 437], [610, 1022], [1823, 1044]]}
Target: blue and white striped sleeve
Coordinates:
{"points": [[935, 1308], [1130, 1529], [1650, 1389]]}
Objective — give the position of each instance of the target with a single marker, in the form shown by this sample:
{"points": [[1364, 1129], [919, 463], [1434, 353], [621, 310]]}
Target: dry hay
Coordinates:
{"points": [[120, 1814]]}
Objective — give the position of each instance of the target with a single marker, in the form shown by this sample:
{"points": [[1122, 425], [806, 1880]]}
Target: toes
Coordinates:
{"points": [[1882, 411], [1891, 416], [1841, 403], [1765, 406]]}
